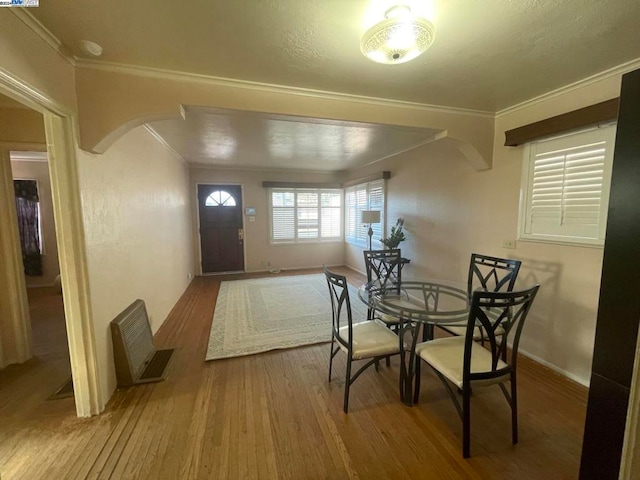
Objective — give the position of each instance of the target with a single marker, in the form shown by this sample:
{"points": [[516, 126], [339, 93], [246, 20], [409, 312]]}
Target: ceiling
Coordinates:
{"points": [[256, 140], [487, 55]]}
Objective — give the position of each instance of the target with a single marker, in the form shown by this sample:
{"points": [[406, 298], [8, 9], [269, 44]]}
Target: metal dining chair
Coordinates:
{"points": [[490, 274], [360, 340], [462, 362], [385, 266]]}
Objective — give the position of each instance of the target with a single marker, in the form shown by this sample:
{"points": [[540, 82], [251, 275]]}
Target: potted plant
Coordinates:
{"points": [[395, 236]]}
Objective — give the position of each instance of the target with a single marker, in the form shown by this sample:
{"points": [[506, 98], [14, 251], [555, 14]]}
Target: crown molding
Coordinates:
{"points": [[24, 93], [163, 74], [611, 72], [44, 33], [29, 156], [164, 143], [23, 147]]}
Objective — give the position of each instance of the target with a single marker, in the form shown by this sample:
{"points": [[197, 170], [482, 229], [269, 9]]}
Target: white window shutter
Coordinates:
{"points": [[305, 215], [567, 187], [364, 196]]}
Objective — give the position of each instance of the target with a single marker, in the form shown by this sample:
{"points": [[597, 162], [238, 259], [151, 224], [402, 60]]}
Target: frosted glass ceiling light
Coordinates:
{"points": [[400, 37]]}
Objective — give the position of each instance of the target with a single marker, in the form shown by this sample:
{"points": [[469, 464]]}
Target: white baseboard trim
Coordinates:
{"points": [[292, 269], [555, 368]]}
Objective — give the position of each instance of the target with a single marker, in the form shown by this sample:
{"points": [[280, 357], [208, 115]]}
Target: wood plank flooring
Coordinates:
{"points": [[275, 416]]}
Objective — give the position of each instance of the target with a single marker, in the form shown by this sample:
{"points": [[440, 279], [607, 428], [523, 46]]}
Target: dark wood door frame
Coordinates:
{"points": [[619, 305]]}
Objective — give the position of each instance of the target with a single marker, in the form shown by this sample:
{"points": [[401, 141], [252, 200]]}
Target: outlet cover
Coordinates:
{"points": [[508, 244]]}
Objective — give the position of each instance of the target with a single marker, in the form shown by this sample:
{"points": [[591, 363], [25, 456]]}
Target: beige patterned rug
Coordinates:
{"points": [[263, 314]]}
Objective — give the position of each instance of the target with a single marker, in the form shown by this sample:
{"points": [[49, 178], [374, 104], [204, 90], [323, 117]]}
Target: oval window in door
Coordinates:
{"points": [[220, 198]]}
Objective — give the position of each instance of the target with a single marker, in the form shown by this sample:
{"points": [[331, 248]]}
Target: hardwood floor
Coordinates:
{"points": [[275, 416]]}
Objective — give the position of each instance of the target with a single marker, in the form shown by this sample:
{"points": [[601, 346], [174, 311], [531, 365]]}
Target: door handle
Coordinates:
{"points": [[240, 234]]}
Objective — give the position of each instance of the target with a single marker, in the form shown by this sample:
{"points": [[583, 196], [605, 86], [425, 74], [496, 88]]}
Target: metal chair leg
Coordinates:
{"points": [[466, 423], [514, 410], [347, 384], [331, 355], [416, 387]]}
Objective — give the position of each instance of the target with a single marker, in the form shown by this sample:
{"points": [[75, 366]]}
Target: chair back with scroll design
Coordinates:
{"points": [[488, 274], [340, 308], [492, 274], [385, 266]]}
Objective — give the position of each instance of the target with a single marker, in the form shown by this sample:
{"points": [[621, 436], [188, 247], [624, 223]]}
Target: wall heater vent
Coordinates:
{"points": [[135, 356]]}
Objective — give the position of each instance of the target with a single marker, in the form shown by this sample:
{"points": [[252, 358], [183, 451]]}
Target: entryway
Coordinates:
{"points": [[221, 228]]}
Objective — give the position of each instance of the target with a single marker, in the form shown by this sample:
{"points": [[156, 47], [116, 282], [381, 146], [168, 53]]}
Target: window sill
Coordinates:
{"points": [[568, 242], [305, 242]]}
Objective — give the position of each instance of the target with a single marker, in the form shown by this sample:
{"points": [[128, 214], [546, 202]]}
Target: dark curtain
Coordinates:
{"points": [[27, 209]]}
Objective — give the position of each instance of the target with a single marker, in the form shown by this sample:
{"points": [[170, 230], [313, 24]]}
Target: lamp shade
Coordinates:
{"points": [[371, 216]]}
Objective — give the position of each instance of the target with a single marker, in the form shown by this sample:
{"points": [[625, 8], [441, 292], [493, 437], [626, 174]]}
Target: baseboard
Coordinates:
{"points": [[292, 269], [555, 368], [355, 270]]}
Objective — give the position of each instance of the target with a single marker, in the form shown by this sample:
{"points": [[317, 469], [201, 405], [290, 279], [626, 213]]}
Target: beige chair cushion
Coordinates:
{"points": [[370, 339], [447, 355], [386, 318]]}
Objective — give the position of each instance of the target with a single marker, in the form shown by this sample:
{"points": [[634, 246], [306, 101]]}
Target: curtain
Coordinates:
{"points": [[27, 209]]}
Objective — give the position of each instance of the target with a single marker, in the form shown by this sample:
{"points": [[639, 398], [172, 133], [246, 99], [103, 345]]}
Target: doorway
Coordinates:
{"points": [[34, 208], [59, 141], [45, 368], [221, 228]]}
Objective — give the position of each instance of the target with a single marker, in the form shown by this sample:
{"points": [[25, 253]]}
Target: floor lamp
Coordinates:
{"points": [[370, 217]]}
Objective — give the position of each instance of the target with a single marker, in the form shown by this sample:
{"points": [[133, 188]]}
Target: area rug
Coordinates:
{"points": [[262, 314]]}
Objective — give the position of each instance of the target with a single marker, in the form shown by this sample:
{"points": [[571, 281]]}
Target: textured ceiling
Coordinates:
{"points": [[254, 140], [488, 55]]}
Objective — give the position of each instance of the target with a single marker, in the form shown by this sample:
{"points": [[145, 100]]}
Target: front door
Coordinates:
{"points": [[221, 234]]}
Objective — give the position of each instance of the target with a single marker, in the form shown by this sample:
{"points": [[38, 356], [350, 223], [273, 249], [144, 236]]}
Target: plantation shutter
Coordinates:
{"points": [[330, 214], [376, 202], [568, 185], [305, 215], [351, 217], [308, 220], [283, 215], [361, 205], [364, 196]]}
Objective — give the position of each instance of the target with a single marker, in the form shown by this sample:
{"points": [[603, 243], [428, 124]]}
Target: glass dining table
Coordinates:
{"points": [[419, 305]]}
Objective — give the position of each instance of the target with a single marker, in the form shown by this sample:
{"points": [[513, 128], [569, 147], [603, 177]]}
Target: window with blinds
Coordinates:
{"points": [[565, 187], [300, 215], [364, 196]]}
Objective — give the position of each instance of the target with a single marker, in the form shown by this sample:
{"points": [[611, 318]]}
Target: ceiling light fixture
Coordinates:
{"points": [[90, 48], [400, 37]]}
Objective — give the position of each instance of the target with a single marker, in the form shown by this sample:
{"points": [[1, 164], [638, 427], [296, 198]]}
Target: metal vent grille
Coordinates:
{"points": [[136, 335]]}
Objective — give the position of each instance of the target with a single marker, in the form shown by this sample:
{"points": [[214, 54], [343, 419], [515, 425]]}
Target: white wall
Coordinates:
{"points": [[28, 170], [138, 234], [258, 251], [451, 211]]}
